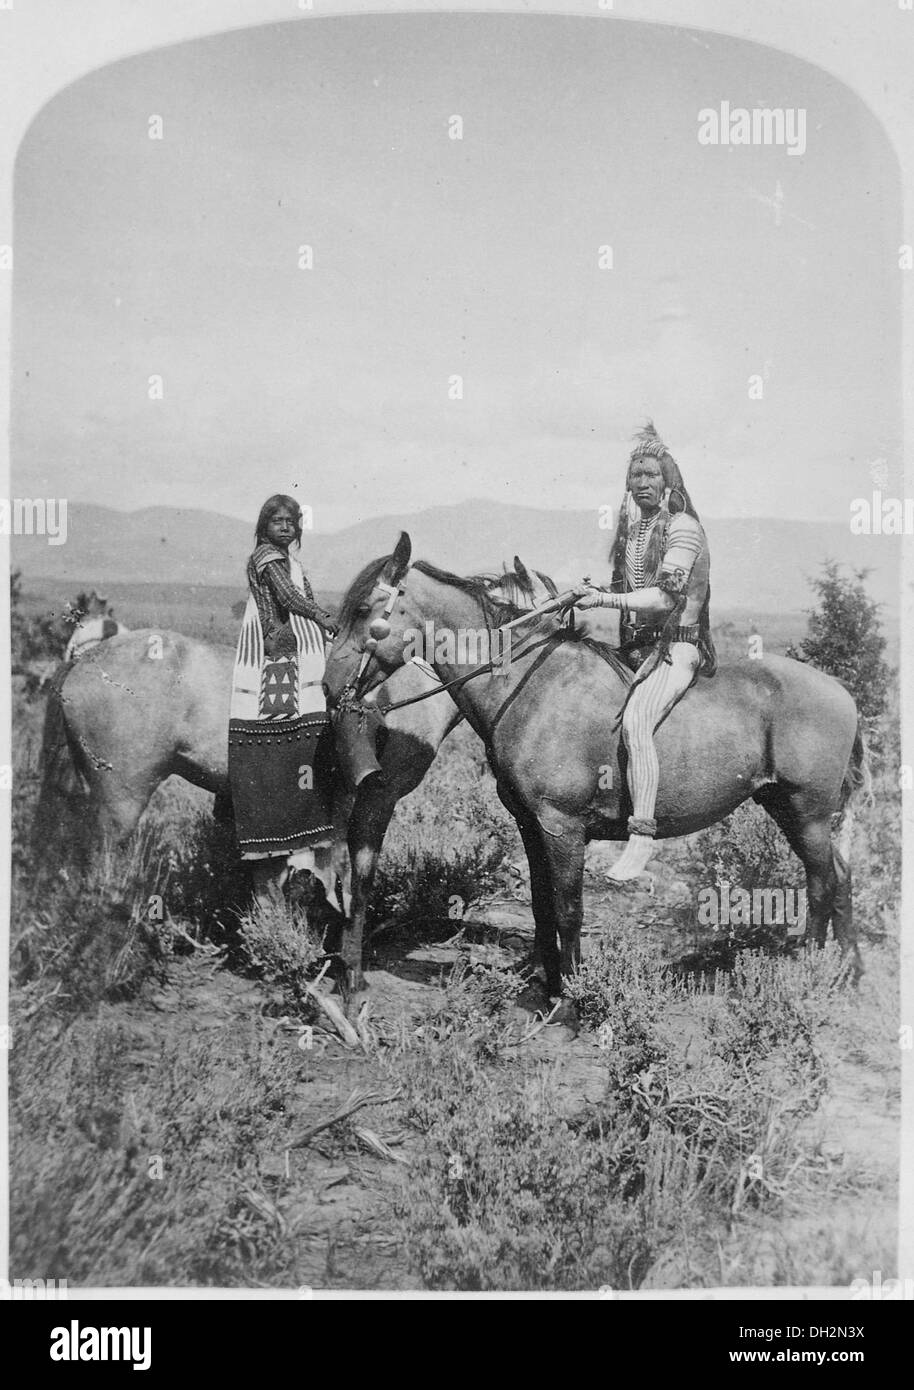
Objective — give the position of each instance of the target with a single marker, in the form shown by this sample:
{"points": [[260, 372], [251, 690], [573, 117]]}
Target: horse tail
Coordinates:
{"points": [[63, 787], [857, 777], [858, 774]]}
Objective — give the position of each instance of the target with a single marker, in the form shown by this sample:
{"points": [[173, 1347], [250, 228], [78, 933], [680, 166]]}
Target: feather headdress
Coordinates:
{"points": [[648, 442]]}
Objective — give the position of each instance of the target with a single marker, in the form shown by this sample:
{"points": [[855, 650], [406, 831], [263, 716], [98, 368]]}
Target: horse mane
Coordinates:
{"points": [[499, 611], [478, 586], [360, 590]]}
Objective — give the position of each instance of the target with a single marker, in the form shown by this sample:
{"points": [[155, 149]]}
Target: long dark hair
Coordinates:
{"points": [[649, 444], [269, 509]]}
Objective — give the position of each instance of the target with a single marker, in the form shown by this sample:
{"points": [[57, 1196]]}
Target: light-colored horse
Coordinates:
{"points": [[148, 705]]}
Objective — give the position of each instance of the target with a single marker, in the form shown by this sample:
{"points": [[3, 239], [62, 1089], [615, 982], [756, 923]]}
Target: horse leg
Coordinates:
{"points": [[563, 842], [371, 813], [110, 817], [546, 959], [842, 915], [555, 851], [828, 877], [223, 810]]}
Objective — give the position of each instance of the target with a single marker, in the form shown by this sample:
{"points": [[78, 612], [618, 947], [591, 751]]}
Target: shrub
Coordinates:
{"points": [[284, 952], [449, 839], [512, 1191], [129, 1175], [845, 639]]}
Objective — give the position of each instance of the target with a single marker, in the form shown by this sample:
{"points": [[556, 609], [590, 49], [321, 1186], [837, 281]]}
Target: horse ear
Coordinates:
{"points": [[401, 558], [523, 574]]}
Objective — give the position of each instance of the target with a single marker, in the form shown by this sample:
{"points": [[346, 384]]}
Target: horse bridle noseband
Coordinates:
{"points": [[378, 630]]}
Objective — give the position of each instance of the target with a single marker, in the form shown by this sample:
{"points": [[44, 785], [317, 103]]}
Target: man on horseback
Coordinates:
{"points": [[660, 584]]}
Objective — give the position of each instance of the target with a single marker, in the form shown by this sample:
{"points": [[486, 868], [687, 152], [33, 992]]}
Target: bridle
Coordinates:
{"points": [[378, 630]]}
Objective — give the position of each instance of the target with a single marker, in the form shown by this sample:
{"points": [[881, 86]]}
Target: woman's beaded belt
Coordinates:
{"points": [[642, 635]]}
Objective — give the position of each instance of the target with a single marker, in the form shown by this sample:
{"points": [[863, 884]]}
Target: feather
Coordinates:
{"points": [[648, 441]]}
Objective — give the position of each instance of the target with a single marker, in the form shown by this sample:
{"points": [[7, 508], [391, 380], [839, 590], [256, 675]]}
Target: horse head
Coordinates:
{"points": [[384, 619], [366, 637]]}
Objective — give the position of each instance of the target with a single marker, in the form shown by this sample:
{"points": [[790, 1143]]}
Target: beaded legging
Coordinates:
{"points": [[649, 702]]}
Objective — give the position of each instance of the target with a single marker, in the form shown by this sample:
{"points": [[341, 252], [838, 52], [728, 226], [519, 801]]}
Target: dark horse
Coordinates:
{"points": [[777, 731]]}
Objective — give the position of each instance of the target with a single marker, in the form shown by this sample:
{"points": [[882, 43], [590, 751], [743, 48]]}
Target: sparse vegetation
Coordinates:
{"points": [[705, 1128], [845, 638]]}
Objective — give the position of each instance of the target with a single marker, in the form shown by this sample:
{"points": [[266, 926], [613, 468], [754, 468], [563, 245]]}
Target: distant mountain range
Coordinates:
{"points": [[758, 565]]}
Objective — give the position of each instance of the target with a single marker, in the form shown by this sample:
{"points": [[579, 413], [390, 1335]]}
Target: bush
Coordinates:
{"points": [[127, 1174], [511, 1191], [746, 850], [449, 839], [845, 639], [285, 954], [38, 642], [508, 1194]]}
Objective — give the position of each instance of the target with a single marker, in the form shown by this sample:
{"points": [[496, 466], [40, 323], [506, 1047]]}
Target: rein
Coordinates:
{"points": [[351, 705]]}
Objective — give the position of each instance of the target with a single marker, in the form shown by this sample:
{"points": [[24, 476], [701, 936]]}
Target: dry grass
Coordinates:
{"points": [[695, 1160]]}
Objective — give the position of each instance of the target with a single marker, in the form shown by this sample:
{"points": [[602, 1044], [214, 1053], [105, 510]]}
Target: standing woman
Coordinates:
{"points": [[661, 584], [278, 714]]}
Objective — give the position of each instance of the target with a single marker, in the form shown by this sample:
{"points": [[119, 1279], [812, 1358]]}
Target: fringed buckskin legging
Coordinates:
{"points": [[649, 702]]}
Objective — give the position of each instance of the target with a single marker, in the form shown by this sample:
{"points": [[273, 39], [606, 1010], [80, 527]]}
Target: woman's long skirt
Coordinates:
{"points": [[279, 742]]}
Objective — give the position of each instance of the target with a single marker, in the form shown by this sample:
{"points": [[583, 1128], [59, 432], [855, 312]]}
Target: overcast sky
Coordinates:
{"points": [[435, 257]]}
